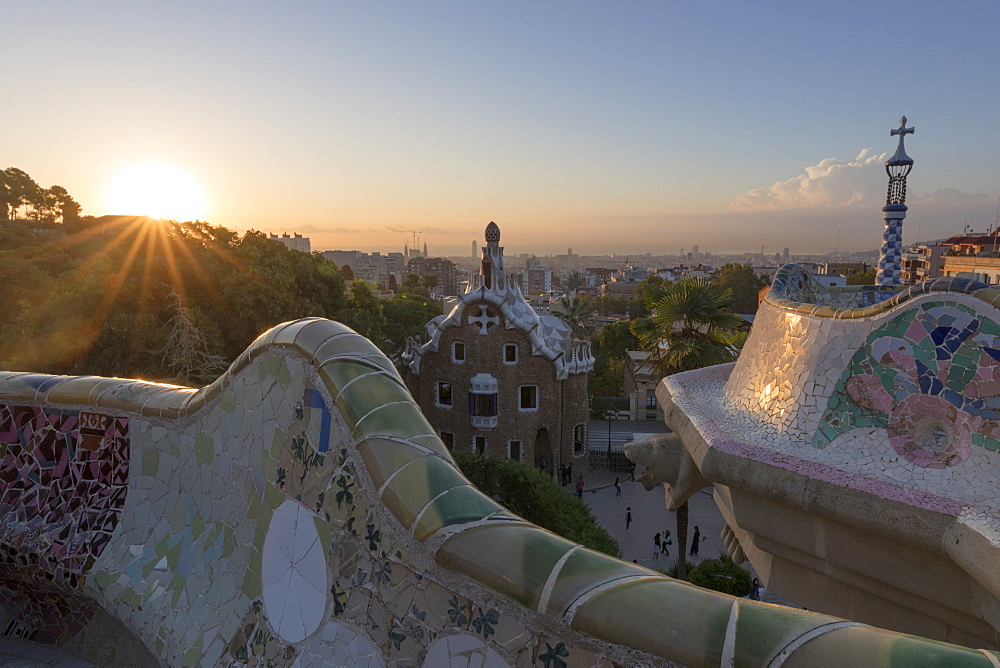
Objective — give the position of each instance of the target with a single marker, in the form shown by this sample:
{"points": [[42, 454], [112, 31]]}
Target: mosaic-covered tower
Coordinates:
{"points": [[894, 211]]}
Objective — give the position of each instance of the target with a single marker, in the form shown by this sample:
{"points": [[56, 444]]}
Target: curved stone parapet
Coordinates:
{"points": [[301, 511], [854, 450]]}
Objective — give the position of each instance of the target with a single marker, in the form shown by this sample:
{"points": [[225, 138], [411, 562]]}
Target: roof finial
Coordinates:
{"points": [[900, 157], [492, 233]]}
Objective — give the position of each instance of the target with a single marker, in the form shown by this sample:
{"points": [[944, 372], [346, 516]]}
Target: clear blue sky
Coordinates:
{"points": [[605, 126]]}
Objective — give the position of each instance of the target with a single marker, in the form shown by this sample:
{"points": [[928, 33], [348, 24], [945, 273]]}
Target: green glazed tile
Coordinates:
{"points": [[384, 362], [75, 390], [764, 630], [432, 442], [345, 345], [15, 388], [273, 496], [402, 420], [128, 395], [212, 391], [310, 338], [166, 404], [150, 460], [228, 401], [366, 394], [679, 622], [282, 374], [240, 363], [512, 559], [917, 652], [383, 457], [194, 403], [339, 373], [867, 646], [273, 332], [583, 571], [457, 506], [417, 484], [286, 337], [259, 345]]}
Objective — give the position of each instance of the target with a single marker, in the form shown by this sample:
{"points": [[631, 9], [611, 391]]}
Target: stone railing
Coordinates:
{"points": [[301, 510]]}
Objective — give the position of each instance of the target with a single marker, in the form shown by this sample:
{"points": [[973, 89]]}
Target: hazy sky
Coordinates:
{"points": [[601, 126]]}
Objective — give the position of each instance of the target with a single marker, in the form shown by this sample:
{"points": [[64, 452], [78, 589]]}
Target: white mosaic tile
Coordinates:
{"points": [[294, 573]]}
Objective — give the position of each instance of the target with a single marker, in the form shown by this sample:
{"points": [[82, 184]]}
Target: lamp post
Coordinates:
{"points": [[897, 167], [610, 415]]}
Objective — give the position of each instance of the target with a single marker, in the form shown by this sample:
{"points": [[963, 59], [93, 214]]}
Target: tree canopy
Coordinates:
{"points": [[688, 325], [864, 277], [102, 305], [19, 194], [528, 492], [577, 312], [744, 286]]}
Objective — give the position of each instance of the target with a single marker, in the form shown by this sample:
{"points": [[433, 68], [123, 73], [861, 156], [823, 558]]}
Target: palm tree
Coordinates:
{"points": [[690, 326], [576, 312]]}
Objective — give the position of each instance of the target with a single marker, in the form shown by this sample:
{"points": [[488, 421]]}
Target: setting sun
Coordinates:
{"points": [[158, 191]]}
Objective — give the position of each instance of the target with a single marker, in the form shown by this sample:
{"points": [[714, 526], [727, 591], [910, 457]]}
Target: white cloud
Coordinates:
{"points": [[830, 183]]}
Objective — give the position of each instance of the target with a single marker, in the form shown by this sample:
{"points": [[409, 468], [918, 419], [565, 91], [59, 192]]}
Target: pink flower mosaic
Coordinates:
{"points": [[931, 378]]}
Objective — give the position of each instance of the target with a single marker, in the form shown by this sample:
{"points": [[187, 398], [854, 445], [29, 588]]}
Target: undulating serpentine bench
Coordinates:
{"points": [[301, 511]]}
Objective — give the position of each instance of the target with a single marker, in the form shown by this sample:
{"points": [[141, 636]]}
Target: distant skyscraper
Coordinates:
{"points": [[897, 167], [784, 253], [425, 249], [694, 249], [475, 255]]}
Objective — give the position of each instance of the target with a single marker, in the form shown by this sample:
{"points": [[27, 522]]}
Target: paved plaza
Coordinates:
{"points": [[650, 516], [649, 511]]}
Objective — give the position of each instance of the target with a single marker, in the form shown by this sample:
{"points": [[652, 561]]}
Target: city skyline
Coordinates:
{"points": [[608, 129]]}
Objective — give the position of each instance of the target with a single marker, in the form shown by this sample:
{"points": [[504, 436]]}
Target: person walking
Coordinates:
{"points": [[667, 540], [579, 487], [656, 546], [755, 590], [628, 519], [618, 489], [695, 539]]}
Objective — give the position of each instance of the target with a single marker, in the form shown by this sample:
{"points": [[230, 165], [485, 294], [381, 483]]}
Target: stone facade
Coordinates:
{"points": [[496, 377], [641, 379], [443, 268]]}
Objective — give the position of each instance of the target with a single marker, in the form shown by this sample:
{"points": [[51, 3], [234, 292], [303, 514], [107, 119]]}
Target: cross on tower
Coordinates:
{"points": [[902, 130], [483, 320]]}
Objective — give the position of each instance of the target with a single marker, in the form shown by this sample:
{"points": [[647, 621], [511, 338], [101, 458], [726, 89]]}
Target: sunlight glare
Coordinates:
{"points": [[158, 191]]}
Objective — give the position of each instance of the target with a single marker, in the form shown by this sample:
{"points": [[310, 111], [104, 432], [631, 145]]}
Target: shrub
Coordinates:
{"points": [[721, 574], [526, 491]]}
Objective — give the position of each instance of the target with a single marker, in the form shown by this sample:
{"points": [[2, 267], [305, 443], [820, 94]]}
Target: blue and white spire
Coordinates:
{"points": [[897, 167]]}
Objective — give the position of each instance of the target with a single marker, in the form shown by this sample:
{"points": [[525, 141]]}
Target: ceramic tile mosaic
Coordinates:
{"points": [[300, 512], [897, 399]]}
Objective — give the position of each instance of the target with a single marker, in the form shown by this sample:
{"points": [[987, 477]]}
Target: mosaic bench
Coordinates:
{"points": [[853, 451], [301, 511]]}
